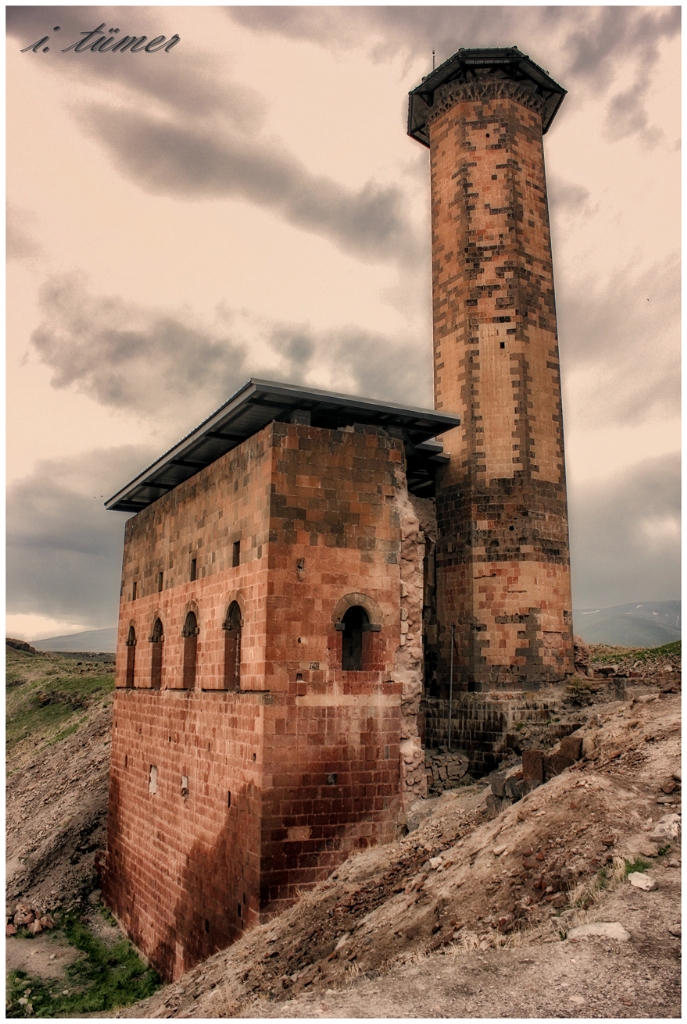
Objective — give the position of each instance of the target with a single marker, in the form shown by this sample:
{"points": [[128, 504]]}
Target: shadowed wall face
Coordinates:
{"points": [[503, 573]]}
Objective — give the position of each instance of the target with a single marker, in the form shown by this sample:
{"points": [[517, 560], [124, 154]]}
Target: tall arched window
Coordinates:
{"points": [[232, 648], [354, 622], [156, 639], [130, 656], [190, 635]]}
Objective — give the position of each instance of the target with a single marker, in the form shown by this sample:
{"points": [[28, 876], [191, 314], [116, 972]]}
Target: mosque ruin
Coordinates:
{"points": [[310, 577]]}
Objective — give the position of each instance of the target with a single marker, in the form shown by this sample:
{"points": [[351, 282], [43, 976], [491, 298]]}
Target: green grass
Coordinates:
{"points": [[62, 735], [672, 650], [47, 695], [605, 654], [105, 978], [635, 865]]}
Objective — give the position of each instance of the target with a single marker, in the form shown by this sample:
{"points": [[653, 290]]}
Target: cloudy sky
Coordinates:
{"points": [[248, 204]]}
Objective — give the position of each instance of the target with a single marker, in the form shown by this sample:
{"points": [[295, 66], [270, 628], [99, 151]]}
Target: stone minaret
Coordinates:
{"points": [[503, 566]]}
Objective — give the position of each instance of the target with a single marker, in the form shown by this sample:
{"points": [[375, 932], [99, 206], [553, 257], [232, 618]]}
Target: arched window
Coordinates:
{"points": [[156, 640], [232, 648], [354, 622], [190, 635], [130, 656]]}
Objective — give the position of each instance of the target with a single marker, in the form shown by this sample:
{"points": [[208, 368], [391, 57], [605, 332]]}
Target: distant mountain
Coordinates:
{"points": [[646, 624], [101, 641]]}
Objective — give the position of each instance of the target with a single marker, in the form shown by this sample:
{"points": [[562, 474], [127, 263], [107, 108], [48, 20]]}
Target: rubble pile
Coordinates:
{"points": [[28, 920], [581, 656], [628, 667], [445, 769]]}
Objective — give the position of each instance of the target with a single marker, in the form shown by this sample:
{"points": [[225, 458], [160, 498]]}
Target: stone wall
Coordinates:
{"points": [[503, 573], [182, 872], [481, 725], [200, 520], [224, 805], [332, 748]]}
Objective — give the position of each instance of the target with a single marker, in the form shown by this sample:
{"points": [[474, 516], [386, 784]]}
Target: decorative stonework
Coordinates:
{"points": [[448, 95]]}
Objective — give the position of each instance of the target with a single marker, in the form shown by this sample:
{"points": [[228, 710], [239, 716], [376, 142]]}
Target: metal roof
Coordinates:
{"points": [[471, 65], [255, 405]]}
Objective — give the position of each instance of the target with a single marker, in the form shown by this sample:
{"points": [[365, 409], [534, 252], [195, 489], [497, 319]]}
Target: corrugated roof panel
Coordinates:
{"points": [[255, 405]]}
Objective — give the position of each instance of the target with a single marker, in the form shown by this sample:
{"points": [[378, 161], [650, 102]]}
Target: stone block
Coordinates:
{"points": [[498, 783], [571, 746], [533, 765]]}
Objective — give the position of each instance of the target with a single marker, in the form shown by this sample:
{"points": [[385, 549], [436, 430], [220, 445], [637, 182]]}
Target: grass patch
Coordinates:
{"points": [[588, 892], [107, 977], [62, 735], [635, 865], [107, 915], [604, 654], [47, 693], [672, 650]]}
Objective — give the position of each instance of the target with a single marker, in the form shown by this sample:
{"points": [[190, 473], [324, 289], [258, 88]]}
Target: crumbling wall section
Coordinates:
{"points": [[417, 518], [483, 728]]}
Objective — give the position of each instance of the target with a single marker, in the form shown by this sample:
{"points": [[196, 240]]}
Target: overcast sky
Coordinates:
{"points": [[249, 204]]}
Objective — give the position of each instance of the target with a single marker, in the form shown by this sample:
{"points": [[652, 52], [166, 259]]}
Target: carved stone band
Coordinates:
{"points": [[448, 95]]}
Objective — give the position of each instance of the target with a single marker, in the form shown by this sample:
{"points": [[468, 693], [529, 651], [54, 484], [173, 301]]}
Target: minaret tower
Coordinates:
{"points": [[503, 566]]}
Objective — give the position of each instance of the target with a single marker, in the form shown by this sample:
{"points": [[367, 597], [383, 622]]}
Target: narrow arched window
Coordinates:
{"points": [[232, 648], [130, 656], [156, 640], [190, 635], [354, 622]]}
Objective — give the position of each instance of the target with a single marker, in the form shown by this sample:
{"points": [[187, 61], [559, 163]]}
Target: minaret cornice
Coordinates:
{"points": [[497, 65], [447, 96]]}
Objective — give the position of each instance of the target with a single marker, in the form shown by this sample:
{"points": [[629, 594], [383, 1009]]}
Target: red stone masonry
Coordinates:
{"points": [[503, 572], [308, 752]]}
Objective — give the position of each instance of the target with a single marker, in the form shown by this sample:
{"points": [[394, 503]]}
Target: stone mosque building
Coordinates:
{"points": [[310, 578]]}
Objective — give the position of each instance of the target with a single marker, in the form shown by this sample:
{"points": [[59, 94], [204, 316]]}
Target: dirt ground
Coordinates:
{"points": [[45, 956], [472, 916], [541, 977]]}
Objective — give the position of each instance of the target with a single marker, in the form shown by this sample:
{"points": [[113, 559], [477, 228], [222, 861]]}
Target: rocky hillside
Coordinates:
{"points": [[59, 716], [476, 912], [65, 955]]}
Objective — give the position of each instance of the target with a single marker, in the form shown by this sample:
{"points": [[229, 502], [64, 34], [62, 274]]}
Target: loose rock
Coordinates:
{"points": [[642, 881], [667, 828], [604, 929]]}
